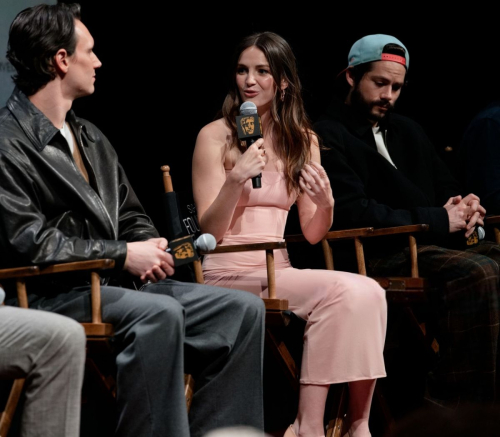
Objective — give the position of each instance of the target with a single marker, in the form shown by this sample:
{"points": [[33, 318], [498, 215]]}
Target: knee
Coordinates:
{"points": [[373, 296], [365, 294], [154, 308], [249, 305], [479, 272], [477, 285], [252, 303], [377, 293], [168, 311], [484, 269], [77, 339], [70, 336]]}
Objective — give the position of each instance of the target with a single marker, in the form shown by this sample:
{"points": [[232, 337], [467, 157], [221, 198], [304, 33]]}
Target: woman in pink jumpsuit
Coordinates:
{"points": [[346, 313]]}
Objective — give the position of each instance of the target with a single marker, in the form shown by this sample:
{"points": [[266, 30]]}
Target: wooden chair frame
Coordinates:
{"points": [[96, 330], [277, 310], [493, 222], [403, 292]]}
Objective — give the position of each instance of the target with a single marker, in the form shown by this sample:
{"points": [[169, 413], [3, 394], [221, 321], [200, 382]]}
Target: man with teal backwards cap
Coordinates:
{"points": [[384, 172]]}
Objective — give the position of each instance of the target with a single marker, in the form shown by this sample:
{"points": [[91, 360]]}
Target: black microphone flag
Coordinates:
{"points": [[249, 130]]}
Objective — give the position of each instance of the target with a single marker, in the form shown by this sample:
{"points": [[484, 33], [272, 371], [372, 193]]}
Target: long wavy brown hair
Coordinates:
{"points": [[290, 123]]}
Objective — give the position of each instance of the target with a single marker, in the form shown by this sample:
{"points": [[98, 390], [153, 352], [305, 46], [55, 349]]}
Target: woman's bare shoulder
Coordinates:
{"points": [[216, 130]]}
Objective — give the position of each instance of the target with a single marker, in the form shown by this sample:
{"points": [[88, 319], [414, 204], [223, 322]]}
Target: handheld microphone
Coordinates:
{"points": [[474, 238], [249, 130], [184, 250], [205, 243]]}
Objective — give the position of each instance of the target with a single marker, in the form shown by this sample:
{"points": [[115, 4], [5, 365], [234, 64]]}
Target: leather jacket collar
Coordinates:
{"points": [[37, 127]]}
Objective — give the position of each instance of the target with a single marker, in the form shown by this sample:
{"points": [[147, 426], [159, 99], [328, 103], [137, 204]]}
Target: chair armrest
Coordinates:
{"points": [[269, 248], [410, 230], [394, 230], [358, 234], [491, 220], [247, 247], [92, 266], [344, 234], [347, 234], [37, 270]]}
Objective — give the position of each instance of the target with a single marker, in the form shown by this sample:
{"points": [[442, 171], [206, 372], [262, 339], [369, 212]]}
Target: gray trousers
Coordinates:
{"points": [[171, 327], [49, 351]]}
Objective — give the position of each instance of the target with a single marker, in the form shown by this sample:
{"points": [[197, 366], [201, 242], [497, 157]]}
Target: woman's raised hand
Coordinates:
{"points": [[315, 183]]}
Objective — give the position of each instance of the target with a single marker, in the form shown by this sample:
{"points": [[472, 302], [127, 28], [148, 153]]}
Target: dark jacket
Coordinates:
{"points": [[479, 157], [48, 212], [368, 189]]}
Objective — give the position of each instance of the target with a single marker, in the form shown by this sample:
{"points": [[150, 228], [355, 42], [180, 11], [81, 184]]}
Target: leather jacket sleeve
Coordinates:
{"points": [[30, 237], [50, 213]]}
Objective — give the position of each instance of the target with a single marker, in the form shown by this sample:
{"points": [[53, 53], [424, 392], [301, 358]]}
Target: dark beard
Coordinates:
{"points": [[365, 108]]}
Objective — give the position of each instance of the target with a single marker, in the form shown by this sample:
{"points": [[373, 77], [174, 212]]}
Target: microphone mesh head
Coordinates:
{"points": [[206, 242], [248, 108], [480, 232]]}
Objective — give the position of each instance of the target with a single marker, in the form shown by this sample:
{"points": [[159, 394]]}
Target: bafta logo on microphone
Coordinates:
{"points": [[184, 251], [248, 125]]}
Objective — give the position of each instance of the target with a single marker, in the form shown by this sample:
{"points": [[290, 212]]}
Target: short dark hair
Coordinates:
{"points": [[35, 36]]}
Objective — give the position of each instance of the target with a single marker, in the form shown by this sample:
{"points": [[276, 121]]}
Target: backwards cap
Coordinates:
{"points": [[373, 48]]}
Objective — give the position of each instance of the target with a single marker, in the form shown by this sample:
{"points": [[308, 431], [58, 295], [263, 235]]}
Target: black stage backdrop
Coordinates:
{"points": [[164, 73]]}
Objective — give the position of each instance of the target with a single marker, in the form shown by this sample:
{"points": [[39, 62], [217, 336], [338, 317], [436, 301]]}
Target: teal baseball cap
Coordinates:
{"points": [[374, 48]]}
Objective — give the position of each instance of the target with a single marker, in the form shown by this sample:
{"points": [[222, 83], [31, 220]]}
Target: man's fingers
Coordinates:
{"points": [[469, 232], [148, 276], [473, 220], [159, 273], [453, 200], [167, 269], [470, 197]]}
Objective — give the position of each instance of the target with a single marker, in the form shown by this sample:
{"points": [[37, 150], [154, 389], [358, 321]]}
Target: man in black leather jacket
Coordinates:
{"points": [[64, 197], [385, 172]]}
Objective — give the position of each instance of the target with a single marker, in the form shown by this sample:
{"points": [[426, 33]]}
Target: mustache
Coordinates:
{"points": [[383, 102]]}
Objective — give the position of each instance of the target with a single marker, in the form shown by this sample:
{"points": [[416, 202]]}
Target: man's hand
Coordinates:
{"points": [[465, 213], [477, 212], [148, 260]]}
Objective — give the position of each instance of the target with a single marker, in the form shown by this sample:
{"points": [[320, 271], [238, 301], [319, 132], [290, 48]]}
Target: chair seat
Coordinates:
{"points": [[404, 289], [276, 304], [98, 329]]}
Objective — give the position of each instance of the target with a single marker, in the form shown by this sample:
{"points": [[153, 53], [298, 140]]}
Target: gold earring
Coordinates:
{"points": [[283, 95]]}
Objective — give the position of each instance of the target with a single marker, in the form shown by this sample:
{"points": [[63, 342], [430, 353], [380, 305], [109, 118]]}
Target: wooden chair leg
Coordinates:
{"points": [[384, 410], [285, 359], [188, 389], [336, 418], [10, 407]]}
